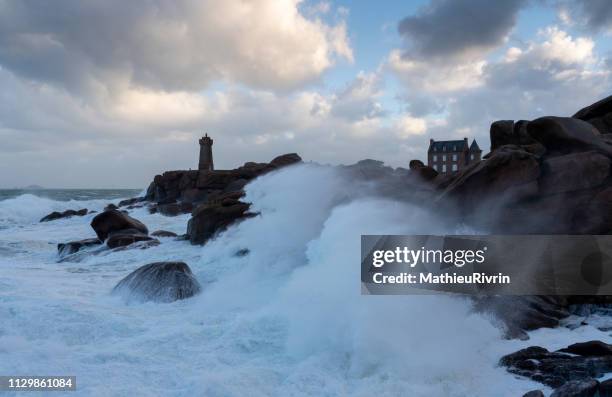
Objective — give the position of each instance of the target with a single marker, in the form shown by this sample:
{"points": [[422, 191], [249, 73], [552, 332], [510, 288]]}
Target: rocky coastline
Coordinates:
{"points": [[551, 175]]}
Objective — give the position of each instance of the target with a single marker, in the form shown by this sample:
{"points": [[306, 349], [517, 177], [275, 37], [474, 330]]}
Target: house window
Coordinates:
{"points": [[454, 157], [443, 167], [435, 157], [454, 167], [435, 167], [443, 157], [472, 156]]}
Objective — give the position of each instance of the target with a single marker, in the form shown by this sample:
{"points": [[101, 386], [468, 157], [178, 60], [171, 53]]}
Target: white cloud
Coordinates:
{"points": [[173, 46], [436, 76], [555, 73], [408, 126], [559, 46]]}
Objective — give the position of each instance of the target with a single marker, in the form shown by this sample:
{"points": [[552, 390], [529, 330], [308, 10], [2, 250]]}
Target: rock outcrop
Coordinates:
{"points": [[558, 183], [71, 247], [556, 369], [594, 348], [123, 238], [552, 175], [534, 393], [598, 114], [215, 216], [163, 233], [212, 197], [66, 214], [161, 282], [180, 192], [112, 221], [578, 388]]}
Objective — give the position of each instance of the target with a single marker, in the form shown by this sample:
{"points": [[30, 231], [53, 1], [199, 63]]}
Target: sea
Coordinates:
{"points": [[287, 319]]}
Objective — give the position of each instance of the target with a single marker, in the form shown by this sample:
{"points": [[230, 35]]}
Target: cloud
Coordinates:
{"points": [[408, 126], [106, 45], [53, 138], [435, 77], [359, 100], [552, 74], [595, 15], [458, 28]]}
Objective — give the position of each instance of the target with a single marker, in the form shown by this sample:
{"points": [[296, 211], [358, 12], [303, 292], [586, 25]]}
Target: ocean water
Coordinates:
{"points": [[287, 319]]}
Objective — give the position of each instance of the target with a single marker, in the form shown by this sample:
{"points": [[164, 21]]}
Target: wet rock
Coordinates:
{"points": [[605, 388], [175, 209], [524, 313], [577, 388], [574, 172], [131, 201], [555, 369], [110, 206], [163, 233], [114, 221], [65, 249], [211, 218], [143, 244], [66, 214], [534, 393], [127, 237], [594, 348], [162, 282]]}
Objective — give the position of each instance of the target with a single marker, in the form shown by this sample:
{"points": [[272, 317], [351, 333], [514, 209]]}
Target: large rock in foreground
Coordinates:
{"points": [[114, 221], [162, 282]]}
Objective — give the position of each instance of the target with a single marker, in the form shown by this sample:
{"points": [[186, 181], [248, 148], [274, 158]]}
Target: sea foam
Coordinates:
{"points": [[288, 318]]}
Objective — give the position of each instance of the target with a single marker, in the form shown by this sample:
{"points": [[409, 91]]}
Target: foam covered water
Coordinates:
{"points": [[286, 319]]}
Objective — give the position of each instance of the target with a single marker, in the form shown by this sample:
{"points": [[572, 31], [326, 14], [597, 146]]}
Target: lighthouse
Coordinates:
{"points": [[206, 157]]}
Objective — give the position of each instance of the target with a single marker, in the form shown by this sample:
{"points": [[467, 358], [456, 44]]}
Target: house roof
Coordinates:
{"points": [[448, 146], [474, 147]]}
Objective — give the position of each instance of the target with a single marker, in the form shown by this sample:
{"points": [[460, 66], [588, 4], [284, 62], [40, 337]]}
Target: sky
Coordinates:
{"points": [[108, 93]]}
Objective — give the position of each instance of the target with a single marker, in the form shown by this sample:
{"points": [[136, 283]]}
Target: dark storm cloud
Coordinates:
{"points": [[68, 42], [454, 27], [595, 15]]}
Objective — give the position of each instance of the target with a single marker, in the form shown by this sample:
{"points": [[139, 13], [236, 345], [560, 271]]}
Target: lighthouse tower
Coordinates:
{"points": [[206, 158]]}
